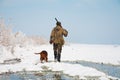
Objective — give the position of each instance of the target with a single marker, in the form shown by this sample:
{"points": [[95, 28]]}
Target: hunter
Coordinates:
{"points": [[56, 38]]}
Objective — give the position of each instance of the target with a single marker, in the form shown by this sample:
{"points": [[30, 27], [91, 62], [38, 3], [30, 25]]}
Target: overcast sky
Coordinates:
{"points": [[87, 21]]}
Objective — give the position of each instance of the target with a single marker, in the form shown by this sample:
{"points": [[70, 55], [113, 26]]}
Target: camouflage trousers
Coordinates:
{"points": [[57, 51]]}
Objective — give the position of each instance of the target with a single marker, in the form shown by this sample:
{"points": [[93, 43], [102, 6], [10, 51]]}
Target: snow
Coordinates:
{"points": [[108, 54]]}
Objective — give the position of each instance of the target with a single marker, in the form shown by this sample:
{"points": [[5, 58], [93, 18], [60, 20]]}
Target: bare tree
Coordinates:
{"points": [[6, 34], [10, 39], [37, 40]]}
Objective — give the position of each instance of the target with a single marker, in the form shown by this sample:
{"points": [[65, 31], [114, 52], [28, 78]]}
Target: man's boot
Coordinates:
{"points": [[59, 56], [55, 56]]}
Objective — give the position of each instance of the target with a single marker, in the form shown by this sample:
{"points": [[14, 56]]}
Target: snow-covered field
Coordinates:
{"points": [[105, 54]]}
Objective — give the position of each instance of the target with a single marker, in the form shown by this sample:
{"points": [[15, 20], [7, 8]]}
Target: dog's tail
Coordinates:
{"points": [[36, 53]]}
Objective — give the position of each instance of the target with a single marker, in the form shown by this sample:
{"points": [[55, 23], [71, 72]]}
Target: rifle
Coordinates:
{"points": [[56, 19], [66, 32], [58, 22]]}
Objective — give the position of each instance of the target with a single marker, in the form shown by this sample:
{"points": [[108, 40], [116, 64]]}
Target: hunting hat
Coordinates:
{"points": [[58, 23]]}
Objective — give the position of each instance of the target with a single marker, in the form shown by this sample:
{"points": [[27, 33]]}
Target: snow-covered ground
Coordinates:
{"points": [[108, 54]]}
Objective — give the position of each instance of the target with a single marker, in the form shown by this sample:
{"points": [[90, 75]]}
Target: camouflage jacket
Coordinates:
{"points": [[57, 35]]}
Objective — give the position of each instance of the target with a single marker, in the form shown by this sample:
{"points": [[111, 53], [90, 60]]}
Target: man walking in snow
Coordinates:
{"points": [[56, 38]]}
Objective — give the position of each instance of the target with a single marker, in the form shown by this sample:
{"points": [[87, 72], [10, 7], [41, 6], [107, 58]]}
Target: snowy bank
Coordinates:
{"points": [[108, 54]]}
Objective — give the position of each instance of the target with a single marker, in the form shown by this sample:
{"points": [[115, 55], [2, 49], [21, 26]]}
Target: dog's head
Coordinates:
{"points": [[43, 54]]}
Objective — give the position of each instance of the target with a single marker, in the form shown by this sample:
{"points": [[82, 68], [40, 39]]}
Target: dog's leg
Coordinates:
{"points": [[46, 59], [41, 60]]}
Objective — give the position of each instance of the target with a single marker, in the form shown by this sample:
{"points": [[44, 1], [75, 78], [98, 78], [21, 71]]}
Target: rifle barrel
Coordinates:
{"points": [[56, 19]]}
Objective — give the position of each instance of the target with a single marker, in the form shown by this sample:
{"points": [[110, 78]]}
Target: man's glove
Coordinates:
{"points": [[50, 41]]}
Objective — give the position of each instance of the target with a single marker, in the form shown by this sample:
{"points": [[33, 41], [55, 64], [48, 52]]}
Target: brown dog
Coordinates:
{"points": [[43, 56]]}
